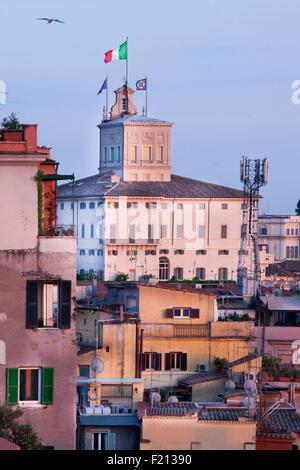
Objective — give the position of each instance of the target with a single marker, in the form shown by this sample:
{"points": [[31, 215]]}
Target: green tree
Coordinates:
{"points": [[20, 434], [11, 123], [297, 210]]}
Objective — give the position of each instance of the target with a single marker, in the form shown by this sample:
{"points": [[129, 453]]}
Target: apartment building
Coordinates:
{"points": [[280, 234], [37, 289]]}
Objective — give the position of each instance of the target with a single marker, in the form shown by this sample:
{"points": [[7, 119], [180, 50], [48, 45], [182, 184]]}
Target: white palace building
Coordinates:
{"points": [[135, 217]]}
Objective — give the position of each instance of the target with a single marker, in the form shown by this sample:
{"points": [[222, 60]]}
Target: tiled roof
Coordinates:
{"points": [[135, 119], [283, 420], [178, 187], [171, 409], [199, 378], [288, 303], [242, 360], [222, 414], [95, 185]]}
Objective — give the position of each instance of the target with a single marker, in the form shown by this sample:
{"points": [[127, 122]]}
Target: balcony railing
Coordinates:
{"points": [[109, 406], [58, 231], [176, 331], [131, 241]]}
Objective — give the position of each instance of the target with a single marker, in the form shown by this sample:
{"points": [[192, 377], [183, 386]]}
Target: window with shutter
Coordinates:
{"points": [[32, 304], [143, 362], [183, 362], [47, 385], [167, 361], [195, 313], [157, 361], [111, 441], [65, 304], [169, 313], [12, 386]]}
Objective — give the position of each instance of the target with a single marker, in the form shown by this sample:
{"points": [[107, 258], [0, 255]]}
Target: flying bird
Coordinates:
{"points": [[50, 20]]}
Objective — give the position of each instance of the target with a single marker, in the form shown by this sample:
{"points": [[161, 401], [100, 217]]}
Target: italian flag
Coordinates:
{"points": [[116, 54]]}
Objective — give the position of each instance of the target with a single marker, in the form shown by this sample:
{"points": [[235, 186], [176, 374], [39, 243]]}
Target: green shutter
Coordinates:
{"points": [[12, 386], [47, 385]]}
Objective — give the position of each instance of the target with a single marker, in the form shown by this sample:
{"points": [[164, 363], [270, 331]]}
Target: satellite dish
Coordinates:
{"points": [[250, 388], [249, 402], [172, 399], [155, 397], [229, 386], [97, 366], [296, 352]]}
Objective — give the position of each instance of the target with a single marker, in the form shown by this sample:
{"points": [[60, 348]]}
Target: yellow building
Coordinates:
{"points": [[180, 337], [108, 386]]}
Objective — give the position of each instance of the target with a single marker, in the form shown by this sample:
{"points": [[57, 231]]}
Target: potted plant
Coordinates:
{"points": [[12, 129], [296, 375], [220, 363], [121, 277], [270, 367], [285, 375]]}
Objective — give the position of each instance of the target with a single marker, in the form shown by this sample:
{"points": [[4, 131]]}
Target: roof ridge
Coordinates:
{"points": [[206, 182]]}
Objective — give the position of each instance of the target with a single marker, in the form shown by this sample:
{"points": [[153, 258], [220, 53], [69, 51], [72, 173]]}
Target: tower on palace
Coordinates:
{"points": [[135, 147]]}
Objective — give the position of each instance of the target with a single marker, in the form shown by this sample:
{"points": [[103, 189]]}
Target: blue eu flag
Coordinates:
{"points": [[104, 87]]}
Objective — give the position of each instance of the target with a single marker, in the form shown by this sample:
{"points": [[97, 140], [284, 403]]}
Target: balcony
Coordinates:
{"points": [[165, 330], [109, 406], [132, 242], [232, 329], [58, 231]]}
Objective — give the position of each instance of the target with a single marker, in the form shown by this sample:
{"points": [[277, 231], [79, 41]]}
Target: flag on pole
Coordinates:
{"points": [[104, 87], [116, 54], [141, 84]]}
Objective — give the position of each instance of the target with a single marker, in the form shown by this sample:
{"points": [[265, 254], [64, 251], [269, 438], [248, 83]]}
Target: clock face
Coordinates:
{"points": [[97, 366]]}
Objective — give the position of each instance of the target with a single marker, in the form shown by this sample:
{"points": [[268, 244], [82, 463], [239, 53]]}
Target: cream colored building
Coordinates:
{"points": [[180, 426], [137, 218], [281, 236]]}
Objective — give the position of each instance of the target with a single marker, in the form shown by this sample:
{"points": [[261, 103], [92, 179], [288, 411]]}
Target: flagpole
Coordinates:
{"points": [[107, 97], [127, 74], [146, 95]]}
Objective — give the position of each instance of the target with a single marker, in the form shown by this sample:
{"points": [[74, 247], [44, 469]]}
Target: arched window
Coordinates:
{"points": [[164, 268]]}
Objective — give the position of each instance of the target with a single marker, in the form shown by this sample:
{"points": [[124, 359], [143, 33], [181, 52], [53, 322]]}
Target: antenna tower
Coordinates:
{"points": [[253, 175]]}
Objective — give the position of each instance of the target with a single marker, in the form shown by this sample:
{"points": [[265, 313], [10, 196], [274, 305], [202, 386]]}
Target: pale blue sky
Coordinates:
{"points": [[221, 71]]}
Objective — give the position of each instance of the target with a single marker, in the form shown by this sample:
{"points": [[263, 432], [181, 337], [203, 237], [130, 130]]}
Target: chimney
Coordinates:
{"points": [[30, 137], [115, 179]]}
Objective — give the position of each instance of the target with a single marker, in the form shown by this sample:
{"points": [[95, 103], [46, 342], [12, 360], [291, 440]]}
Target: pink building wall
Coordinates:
{"points": [[26, 256]]}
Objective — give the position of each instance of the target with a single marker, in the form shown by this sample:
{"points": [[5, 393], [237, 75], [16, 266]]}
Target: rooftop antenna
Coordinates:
{"points": [[254, 174]]}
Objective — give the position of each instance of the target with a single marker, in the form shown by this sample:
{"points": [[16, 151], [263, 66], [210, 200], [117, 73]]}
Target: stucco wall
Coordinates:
{"points": [[56, 423], [179, 434]]}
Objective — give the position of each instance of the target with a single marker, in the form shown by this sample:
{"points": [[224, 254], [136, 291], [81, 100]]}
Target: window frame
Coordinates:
{"points": [[30, 402]]}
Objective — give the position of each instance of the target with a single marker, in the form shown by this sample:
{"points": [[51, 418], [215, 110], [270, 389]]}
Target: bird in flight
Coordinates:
{"points": [[50, 20]]}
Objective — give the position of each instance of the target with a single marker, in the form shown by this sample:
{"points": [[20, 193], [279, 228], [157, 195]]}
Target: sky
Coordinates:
{"points": [[221, 71]]}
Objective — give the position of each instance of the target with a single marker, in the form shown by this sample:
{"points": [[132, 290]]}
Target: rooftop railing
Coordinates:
{"points": [[58, 231]]}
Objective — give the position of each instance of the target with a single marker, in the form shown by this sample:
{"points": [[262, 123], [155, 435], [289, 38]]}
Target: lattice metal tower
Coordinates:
{"points": [[254, 175]]}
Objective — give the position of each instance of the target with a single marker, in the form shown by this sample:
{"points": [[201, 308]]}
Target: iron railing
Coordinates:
{"points": [[58, 231]]}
